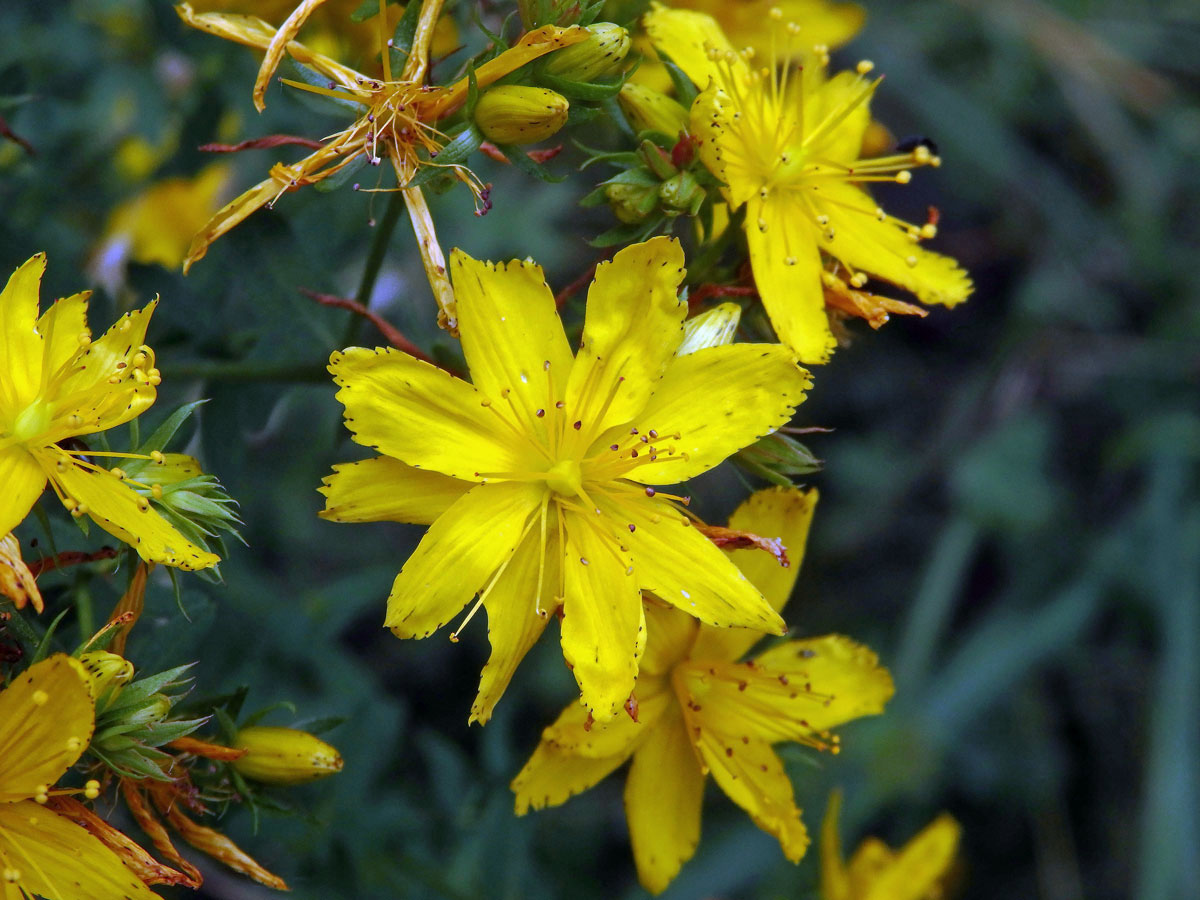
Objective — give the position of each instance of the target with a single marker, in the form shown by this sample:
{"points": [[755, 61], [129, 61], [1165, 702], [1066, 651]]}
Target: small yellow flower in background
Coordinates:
{"points": [[537, 479], [284, 755], [787, 144], [877, 872], [701, 712], [46, 722], [57, 383], [157, 224], [748, 24]]}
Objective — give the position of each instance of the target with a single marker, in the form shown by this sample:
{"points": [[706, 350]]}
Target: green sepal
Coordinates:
{"points": [[685, 91], [581, 90], [628, 234], [164, 432], [454, 153]]}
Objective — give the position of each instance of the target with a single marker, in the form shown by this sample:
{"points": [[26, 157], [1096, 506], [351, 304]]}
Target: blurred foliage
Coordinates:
{"points": [[1010, 512]]}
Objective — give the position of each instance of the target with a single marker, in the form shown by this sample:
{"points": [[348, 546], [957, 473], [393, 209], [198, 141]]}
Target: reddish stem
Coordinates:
{"points": [[69, 558]]}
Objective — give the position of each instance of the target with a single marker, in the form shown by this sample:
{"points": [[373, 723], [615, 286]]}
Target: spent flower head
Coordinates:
{"points": [[539, 478]]}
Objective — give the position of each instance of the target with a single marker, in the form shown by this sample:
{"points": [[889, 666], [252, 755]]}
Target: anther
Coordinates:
{"points": [[911, 262], [157, 456], [91, 789], [903, 177], [649, 492], [864, 67], [157, 491]]}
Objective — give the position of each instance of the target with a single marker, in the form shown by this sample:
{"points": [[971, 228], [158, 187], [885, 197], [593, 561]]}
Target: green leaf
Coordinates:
{"points": [[339, 178], [685, 91], [454, 153], [366, 10], [164, 432], [402, 38]]}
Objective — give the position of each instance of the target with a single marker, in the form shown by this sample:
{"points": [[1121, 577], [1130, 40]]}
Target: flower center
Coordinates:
{"points": [[565, 477], [33, 421]]}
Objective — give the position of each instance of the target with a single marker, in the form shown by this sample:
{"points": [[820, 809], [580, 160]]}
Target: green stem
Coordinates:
{"points": [[374, 262], [247, 370]]}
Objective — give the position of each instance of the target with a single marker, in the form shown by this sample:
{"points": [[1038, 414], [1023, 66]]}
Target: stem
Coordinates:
{"points": [[374, 262]]}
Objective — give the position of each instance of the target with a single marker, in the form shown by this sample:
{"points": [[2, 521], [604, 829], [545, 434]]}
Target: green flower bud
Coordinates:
{"points": [[284, 755], [680, 192], [516, 114], [650, 110], [599, 56], [107, 673], [631, 203], [156, 708]]}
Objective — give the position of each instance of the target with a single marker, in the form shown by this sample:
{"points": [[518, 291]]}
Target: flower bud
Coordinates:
{"points": [[631, 203], [599, 56], [650, 110], [106, 671], [516, 114], [680, 192], [156, 708], [284, 755]]}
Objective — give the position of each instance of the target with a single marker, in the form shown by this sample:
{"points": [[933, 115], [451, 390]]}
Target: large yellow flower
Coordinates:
{"points": [[536, 477], [46, 721], [701, 712], [56, 383], [877, 872], [787, 144]]}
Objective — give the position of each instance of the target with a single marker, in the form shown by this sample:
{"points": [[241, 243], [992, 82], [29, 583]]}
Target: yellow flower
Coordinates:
{"points": [[876, 872], [701, 712], [157, 224], [787, 144], [536, 478], [56, 383], [17, 582], [46, 722], [396, 119]]}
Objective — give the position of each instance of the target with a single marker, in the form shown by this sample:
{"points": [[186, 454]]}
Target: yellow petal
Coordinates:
{"points": [[252, 31], [553, 775], [787, 271], [684, 568], [56, 858], [663, 796], [424, 416], [748, 22], [46, 720], [918, 867], [23, 481], [749, 391], [465, 546], [512, 336], [16, 581], [687, 36], [576, 732], [715, 327], [278, 46], [517, 615], [633, 325], [382, 489], [840, 97], [835, 881], [670, 634], [885, 250], [20, 343], [61, 326], [870, 860], [603, 629], [783, 513], [128, 516], [751, 774], [795, 691], [89, 392]]}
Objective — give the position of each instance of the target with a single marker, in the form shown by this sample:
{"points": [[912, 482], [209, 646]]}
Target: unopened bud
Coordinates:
{"points": [[517, 114], [106, 672], [599, 56], [156, 708], [680, 191], [631, 203], [284, 755], [650, 110]]}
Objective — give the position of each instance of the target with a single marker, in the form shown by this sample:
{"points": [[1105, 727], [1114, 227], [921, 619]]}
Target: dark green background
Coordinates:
{"points": [[1010, 513]]}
